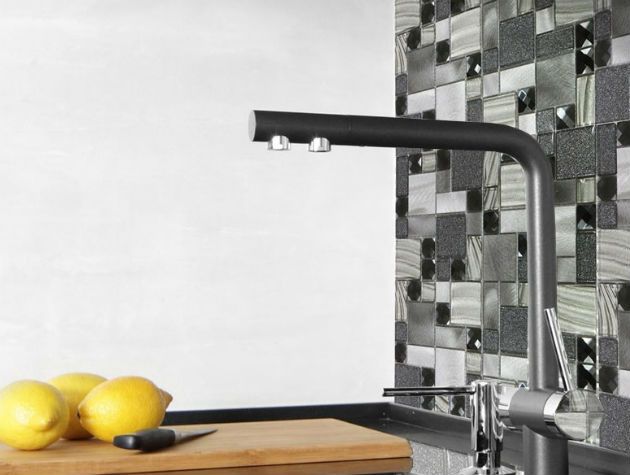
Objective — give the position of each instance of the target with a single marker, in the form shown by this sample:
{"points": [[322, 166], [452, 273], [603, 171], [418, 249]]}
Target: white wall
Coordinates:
{"points": [[140, 231]]}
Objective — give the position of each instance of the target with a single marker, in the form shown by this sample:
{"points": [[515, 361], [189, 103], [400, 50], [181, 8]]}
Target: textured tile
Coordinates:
{"points": [[466, 169], [555, 81], [507, 9], [586, 253], [565, 231], [512, 185], [624, 339], [404, 376], [451, 236], [547, 143], [620, 18], [514, 368], [607, 215], [500, 109], [543, 3], [431, 459], [545, 121], [474, 223], [613, 94], [490, 25], [401, 332], [608, 351], [466, 303], [450, 72], [451, 102], [450, 367], [490, 60], [420, 64], [421, 194], [607, 309], [517, 78], [613, 433], [602, 25], [585, 95], [516, 37], [457, 462], [407, 14], [499, 257], [407, 259], [514, 331], [575, 153], [450, 337], [568, 11], [473, 251], [420, 324], [465, 33], [545, 20], [613, 254], [577, 309], [442, 9], [556, 42], [606, 136]]}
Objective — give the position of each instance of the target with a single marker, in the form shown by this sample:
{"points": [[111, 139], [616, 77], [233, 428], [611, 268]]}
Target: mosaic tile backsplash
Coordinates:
{"points": [[560, 71]]}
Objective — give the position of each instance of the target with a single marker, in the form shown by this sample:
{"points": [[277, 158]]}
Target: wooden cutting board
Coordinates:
{"points": [[242, 444]]}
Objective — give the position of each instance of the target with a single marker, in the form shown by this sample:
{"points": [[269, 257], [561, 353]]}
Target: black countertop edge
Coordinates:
{"points": [[440, 430]]}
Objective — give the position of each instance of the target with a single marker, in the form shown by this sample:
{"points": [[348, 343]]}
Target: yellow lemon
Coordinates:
{"points": [[122, 405], [74, 387], [33, 415]]}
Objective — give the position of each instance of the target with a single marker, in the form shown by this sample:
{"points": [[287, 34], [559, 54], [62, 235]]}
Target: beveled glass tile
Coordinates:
{"points": [[608, 379], [491, 222], [512, 185], [621, 50], [568, 11], [443, 313], [422, 195], [500, 109], [526, 100], [565, 117], [555, 81], [466, 303], [490, 25], [586, 218], [442, 51], [519, 77], [586, 377], [585, 110], [607, 188], [545, 20], [414, 290], [490, 84], [623, 134], [465, 33], [451, 102], [413, 39], [586, 190], [407, 259], [584, 34], [458, 6], [407, 14], [427, 11], [473, 65], [427, 269], [577, 311], [602, 55], [584, 61]]}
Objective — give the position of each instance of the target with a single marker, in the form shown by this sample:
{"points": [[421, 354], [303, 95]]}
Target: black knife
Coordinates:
{"points": [[149, 440]]}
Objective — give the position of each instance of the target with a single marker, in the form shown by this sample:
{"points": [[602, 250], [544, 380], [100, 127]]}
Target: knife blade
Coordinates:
{"points": [[149, 440]]}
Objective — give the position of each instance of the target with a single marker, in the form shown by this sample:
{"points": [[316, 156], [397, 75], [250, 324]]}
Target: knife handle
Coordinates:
{"points": [[146, 440]]}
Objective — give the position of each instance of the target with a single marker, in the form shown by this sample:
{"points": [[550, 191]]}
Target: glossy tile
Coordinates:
{"points": [[514, 368], [421, 356], [490, 25], [451, 102], [465, 33], [407, 259], [474, 257], [450, 337], [613, 254], [450, 72], [407, 14], [623, 173], [451, 202], [428, 35], [585, 190], [565, 231], [585, 94], [473, 89], [516, 37], [513, 221], [421, 226], [490, 84], [545, 20], [568, 11], [422, 196], [420, 324], [466, 303], [512, 185], [421, 101], [577, 309], [490, 305], [500, 109]]}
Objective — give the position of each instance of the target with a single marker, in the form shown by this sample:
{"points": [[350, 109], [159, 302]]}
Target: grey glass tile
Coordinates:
{"points": [[407, 14], [606, 136], [565, 231], [512, 185], [545, 121], [443, 182], [473, 362], [607, 309], [514, 368], [421, 226], [575, 153], [400, 55], [432, 459], [473, 89], [585, 190], [513, 221], [450, 72], [442, 9], [402, 228], [420, 64], [577, 309], [586, 253], [451, 236], [613, 94], [490, 60], [624, 339], [555, 81], [490, 305], [401, 84], [507, 9], [474, 111], [473, 260], [602, 25], [401, 301], [421, 194], [545, 20], [407, 259], [451, 101], [492, 161], [607, 215], [514, 331], [490, 25], [547, 143], [585, 95], [614, 433], [518, 77], [608, 351], [499, 257], [420, 323], [466, 303], [508, 293], [404, 376], [466, 169], [568, 11], [402, 176], [401, 332], [450, 337], [623, 173], [500, 109], [543, 4], [565, 192], [490, 84], [567, 269], [421, 101], [555, 42], [620, 18], [427, 12], [423, 356], [490, 198], [466, 33], [516, 37], [613, 253]]}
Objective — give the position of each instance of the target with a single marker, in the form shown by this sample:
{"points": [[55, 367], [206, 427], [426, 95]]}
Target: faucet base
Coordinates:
{"points": [[485, 471]]}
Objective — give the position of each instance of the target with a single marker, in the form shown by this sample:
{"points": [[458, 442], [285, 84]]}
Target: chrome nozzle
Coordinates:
{"points": [[319, 144], [279, 143]]}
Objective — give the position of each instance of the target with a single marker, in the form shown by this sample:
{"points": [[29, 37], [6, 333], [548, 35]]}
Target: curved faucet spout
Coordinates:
{"points": [[546, 455]]}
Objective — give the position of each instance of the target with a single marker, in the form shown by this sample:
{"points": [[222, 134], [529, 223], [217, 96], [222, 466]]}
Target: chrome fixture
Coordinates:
{"points": [[545, 415], [319, 144], [278, 143]]}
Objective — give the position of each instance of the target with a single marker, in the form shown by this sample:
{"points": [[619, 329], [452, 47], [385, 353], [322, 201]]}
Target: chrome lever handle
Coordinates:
{"points": [[558, 345]]}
